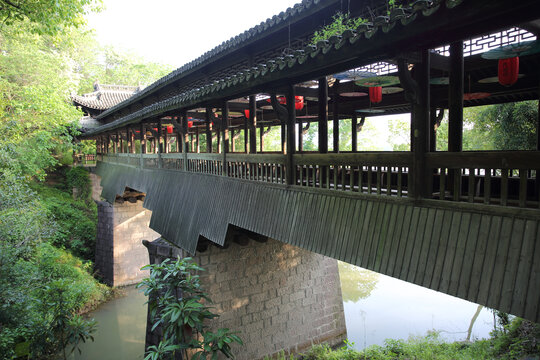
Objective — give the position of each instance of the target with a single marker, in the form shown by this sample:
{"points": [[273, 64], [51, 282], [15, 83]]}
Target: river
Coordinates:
{"points": [[376, 307]]}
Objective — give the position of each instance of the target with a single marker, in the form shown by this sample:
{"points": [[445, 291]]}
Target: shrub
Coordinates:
{"points": [[176, 305]]}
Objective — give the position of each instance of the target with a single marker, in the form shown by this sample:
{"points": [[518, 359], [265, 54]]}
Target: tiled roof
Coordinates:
{"points": [[288, 15], [105, 96], [299, 59]]}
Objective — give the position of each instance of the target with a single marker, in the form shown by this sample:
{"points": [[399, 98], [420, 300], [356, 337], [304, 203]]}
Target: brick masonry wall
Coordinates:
{"points": [[121, 228], [130, 223], [276, 296]]}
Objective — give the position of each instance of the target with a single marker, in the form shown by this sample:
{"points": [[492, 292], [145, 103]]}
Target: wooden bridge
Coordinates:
{"points": [[463, 223]]}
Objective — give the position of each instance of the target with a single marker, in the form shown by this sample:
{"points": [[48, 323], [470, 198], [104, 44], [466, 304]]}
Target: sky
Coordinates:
{"points": [[177, 31]]}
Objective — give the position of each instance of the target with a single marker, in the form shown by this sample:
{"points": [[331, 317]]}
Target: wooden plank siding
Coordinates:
{"points": [[491, 258]]}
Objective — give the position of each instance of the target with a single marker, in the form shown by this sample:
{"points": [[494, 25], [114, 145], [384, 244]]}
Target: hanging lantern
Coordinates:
{"points": [[190, 124], [375, 94], [298, 102], [169, 129], [246, 113], [508, 71]]}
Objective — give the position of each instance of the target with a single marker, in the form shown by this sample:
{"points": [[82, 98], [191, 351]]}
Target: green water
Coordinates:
{"points": [[121, 329], [376, 307]]}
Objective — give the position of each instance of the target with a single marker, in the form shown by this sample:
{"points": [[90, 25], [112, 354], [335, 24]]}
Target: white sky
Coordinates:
{"points": [[178, 31]]}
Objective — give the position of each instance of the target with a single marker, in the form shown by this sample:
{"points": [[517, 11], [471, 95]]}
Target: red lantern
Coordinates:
{"points": [[298, 102], [190, 124], [508, 71], [246, 113], [169, 129], [375, 94]]}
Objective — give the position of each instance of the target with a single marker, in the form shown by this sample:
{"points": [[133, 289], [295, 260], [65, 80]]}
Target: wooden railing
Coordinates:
{"points": [[507, 178], [372, 173]]}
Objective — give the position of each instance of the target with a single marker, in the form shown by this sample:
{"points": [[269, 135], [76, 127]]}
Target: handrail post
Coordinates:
{"points": [[290, 168]]}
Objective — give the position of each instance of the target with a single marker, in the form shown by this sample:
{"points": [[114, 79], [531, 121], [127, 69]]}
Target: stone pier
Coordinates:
{"points": [[120, 231], [276, 296]]}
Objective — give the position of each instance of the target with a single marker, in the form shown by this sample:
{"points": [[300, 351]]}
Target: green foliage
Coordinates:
{"points": [[40, 296], [78, 179], [46, 16], [510, 126], [515, 338], [74, 220], [339, 24], [177, 305], [428, 347]]}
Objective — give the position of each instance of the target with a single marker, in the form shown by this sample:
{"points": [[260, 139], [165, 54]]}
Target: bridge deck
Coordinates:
{"points": [[482, 253]]}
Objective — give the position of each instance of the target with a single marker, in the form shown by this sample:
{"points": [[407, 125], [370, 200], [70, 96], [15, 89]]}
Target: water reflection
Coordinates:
{"points": [[121, 329], [378, 307]]}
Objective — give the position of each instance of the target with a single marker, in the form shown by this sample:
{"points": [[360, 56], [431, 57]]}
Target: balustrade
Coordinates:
{"points": [[473, 177]]}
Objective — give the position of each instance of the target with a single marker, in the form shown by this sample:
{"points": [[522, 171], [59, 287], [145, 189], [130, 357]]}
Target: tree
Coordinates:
{"points": [[46, 16], [509, 126]]}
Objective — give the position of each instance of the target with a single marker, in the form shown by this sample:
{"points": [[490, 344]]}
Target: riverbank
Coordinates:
{"points": [[46, 276]]}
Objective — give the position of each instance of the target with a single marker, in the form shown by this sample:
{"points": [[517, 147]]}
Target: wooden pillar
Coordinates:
{"points": [[290, 169], [233, 145], [143, 138], [178, 131], [252, 124], [323, 116], [246, 135], [208, 131], [261, 137], [218, 138], [354, 133], [455, 110], [335, 116], [300, 135], [197, 145], [420, 120], [159, 144], [120, 141], [538, 126], [185, 133], [185, 139], [323, 128], [283, 129], [225, 130], [432, 132], [165, 141]]}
